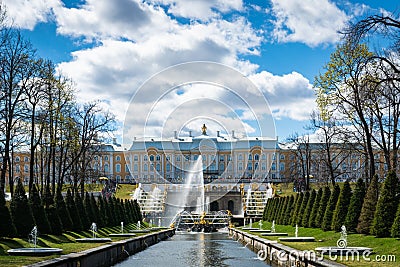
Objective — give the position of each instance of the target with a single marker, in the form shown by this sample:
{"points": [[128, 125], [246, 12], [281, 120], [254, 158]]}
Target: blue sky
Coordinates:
{"points": [[111, 48]]}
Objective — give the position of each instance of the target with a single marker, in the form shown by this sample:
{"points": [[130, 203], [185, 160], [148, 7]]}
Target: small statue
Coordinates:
{"points": [[204, 129]]}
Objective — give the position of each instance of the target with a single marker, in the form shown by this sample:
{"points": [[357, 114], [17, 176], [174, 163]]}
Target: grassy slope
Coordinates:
{"points": [[65, 241], [380, 246]]}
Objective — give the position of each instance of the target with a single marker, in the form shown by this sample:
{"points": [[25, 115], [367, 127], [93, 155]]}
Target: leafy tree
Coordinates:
{"points": [[307, 211], [21, 211], [38, 211], [386, 207], [355, 206], [285, 201], [342, 205], [315, 207], [368, 207], [327, 221], [103, 211]]}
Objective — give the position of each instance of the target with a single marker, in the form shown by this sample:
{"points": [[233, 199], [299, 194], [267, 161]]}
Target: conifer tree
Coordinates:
{"points": [[289, 208], [368, 207], [285, 201], [73, 212], [299, 219], [21, 211], [342, 206], [322, 206], [96, 213], [111, 212], [52, 213], [103, 211], [63, 212], [327, 221], [309, 206], [396, 225], [355, 206], [38, 212], [138, 212], [88, 208], [7, 228], [82, 212], [297, 208], [386, 207], [315, 207]]}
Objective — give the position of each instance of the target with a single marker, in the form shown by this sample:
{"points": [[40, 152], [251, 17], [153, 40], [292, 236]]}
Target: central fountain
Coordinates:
{"points": [[192, 212]]}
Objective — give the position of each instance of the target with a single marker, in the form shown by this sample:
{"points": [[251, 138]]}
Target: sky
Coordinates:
{"points": [[165, 65]]}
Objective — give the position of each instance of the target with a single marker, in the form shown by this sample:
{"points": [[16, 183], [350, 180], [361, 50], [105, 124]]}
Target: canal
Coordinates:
{"points": [[195, 249]]}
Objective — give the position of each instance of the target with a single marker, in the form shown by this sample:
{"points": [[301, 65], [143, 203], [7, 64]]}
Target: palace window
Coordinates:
{"points": [[135, 167], [256, 157], [145, 158], [145, 167], [151, 157], [135, 158], [118, 158], [118, 167], [158, 158]]}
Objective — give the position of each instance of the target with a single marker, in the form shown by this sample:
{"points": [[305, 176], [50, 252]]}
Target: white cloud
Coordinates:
{"points": [[312, 22], [290, 95], [26, 14], [200, 9]]}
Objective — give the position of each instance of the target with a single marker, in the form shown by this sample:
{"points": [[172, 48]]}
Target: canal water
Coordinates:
{"points": [[195, 249]]}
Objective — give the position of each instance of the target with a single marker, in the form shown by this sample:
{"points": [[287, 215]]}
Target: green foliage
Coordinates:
{"points": [[330, 207], [82, 212], [73, 212], [396, 224], [285, 202], [355, 206], [38, 212], [96, 212], [368, 208], [21, 211], [7, 228], [297, 208], [102, 204], [299, 219], [288, 210], [88, 208], [63, 211], [111, 212], [386, 207], [309, 206], [138, 213], [322, 206], [342, 206], [315, 207]]}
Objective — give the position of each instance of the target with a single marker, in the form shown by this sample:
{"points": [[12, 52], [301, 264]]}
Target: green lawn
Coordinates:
{"points": [[65, 242], [381, 246]]}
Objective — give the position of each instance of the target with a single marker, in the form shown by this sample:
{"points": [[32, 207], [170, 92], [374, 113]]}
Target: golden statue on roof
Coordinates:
{"points": [[204, 129]]}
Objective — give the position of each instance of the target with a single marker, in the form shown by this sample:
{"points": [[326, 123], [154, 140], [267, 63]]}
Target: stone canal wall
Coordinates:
{"points": [[277, 254], [109, 254]]}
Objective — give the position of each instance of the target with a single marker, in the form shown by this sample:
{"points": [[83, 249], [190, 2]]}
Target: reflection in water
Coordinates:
{"points": [[195, 249]]}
